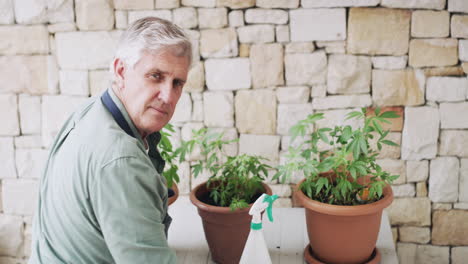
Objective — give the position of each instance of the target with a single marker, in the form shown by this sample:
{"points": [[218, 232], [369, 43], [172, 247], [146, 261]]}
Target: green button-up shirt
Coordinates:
{"points": [[101, 199]]}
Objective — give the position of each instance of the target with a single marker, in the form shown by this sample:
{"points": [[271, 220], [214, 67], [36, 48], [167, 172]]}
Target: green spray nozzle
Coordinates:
{"points": [[270, 199]]}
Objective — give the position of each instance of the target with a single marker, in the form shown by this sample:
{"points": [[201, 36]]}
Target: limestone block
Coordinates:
{"points": [[453, 143], [459, 255], [341, 101], [197, 109], [278, 3], [218, 43], [463, 49], [94, 14], [378, 31], [463, 185], [218, 109], [338, 3], [290, 114], [462, 206], [11, 260], [398, 87], [451, 117], [55, 111], [19, 196], [7, 13], [406, 253], [442, 206], [433, 52], [404, 190], [266, 16], [121, 19], [85, 50], [236, 18], [421, 189], [423, 4], [282, 34], [420, 121], [219, 75], [282, 190], [266, 146], [59, 11], [256, 34], [24, 40], [292, 94], [266, 62], [389, 62], [318, 24], [396, 123], [432, 255], [283, 203], [133, 4], [62, 27], [417, 171], [166, 4], [28, 141], [135, 15], [338, 118], [196, 78], [444, 71], [389, 152], [459, 26], [30, 114], [348, 74], [394, 167], [30, 162], [244, 50], [99, 81], [187, 134], [300, 47], [183, 112], [212, 17], [446, 89], [443, 179], [413, 234], [256, 112], [7, 156], [319, 90], [231, 149], [306, 69], [430, 24], [11, 235], [185, 17], [9, 115], [457, 6], [199, 3], [236, 4], [332, 46], [74, 83], [449, 228], [410, 211], [30, 11]]}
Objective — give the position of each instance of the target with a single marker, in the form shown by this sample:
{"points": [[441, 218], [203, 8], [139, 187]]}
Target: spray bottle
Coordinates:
{"points": [[256, 250]]}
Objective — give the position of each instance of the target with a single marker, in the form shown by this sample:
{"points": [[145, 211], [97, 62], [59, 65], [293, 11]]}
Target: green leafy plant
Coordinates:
{"points": [[348, 155], [169, 155], [234, 180]]}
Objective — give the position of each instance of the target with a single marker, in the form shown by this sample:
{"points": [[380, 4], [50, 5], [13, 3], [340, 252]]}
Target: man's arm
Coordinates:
{"points": [[129, 210]]}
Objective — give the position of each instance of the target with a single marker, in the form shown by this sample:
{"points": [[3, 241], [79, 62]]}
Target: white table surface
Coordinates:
{"points": [[286, 242]]}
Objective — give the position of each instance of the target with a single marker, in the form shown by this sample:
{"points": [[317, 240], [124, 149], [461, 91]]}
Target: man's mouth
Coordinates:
{"points": [[160, 110]]}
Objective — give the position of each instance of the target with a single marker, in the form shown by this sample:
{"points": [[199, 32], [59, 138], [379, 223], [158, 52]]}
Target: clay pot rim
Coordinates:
{"points": [[345, 210], [172, 199], [219, 209]]}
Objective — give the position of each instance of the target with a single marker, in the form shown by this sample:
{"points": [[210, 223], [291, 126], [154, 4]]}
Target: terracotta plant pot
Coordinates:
{"points": [[174, 197], [226, 231], [343, 234]]}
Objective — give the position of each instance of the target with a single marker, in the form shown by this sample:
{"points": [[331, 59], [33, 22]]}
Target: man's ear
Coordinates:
{"points": [[119, 72]]}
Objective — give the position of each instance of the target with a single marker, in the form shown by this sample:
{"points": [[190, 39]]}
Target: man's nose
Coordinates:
{"points": [[166, 92]]}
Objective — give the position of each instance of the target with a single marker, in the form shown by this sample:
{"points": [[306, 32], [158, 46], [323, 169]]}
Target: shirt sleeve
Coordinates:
{"points": [[129, 208]]}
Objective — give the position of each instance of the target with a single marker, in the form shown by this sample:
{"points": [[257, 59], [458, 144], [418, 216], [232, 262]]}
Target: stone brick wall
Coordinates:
{"points": [[259, 67]]}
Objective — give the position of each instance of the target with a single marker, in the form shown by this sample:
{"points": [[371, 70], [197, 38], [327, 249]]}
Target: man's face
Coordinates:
{"points": [[151, 89]]}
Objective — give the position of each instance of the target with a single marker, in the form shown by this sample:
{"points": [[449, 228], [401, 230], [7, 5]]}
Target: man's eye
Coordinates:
{"points": [[178, 84], [157, 76]]}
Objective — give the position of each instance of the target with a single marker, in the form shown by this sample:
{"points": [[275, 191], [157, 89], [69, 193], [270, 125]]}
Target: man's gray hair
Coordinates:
{"points": [[152, 34]]}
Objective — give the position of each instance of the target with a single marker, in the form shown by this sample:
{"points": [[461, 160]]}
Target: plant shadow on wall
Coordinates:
{"points": [[223, 201], [344, 190]]}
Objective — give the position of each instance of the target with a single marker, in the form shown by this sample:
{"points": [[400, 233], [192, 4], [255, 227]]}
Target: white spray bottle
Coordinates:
{"points": [[256, 250]]}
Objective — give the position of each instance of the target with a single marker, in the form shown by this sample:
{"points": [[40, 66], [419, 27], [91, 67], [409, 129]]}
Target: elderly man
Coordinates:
{"points": [[102, 198]]}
